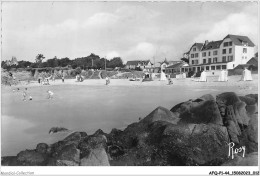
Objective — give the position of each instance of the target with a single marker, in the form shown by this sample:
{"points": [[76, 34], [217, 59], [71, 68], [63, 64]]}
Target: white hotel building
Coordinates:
{"points": [[224, 54]]}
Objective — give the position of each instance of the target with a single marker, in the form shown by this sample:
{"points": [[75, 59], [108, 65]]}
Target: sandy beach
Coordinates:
{"points": [[233, 83], [91, 105]]}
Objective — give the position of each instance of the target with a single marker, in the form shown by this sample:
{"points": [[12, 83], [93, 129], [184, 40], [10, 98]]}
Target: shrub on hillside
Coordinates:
{"points": [[78, 70]]}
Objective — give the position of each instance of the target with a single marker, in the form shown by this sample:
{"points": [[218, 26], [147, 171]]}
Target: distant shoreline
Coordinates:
{"points": [[233, 83]]}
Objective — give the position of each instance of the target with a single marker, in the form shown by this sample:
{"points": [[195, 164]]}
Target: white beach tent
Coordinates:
{"points": [[223, 76], [246, 75], [163, 76], [203, 77]]}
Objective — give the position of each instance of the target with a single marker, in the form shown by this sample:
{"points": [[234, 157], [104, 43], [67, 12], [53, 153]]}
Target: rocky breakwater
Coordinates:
{"points": [[195, 132]]}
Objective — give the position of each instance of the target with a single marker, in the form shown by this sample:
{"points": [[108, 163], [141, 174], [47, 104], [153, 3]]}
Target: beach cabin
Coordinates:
{"points": [[246, 76]]}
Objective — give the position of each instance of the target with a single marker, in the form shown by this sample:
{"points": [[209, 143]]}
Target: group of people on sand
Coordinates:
{"points": [[46, 80], [79, 78], [26, 95]]}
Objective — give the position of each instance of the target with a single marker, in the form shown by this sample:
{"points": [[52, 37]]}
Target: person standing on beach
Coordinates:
{"points": [[50, 94], [24, 94], [53, 77], [169, 81], [107, 80], [63, 78]]}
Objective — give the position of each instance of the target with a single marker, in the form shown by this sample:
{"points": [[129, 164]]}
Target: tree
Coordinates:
{"points": [[23, 64], [39, 59], [63, 62], [53, 62], [115, 62]]}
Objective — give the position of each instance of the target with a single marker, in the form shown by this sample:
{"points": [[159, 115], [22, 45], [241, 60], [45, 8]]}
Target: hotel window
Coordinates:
{"points": [[215, 52], [224, 59], [218, 67], [204, 61], [225, 44], [244, 43], [207, 67], [230, 43], [194, 49], [215, 59], [230, 50], [230, 58], [212, 67], [198, 68], [224, 51], [209, 53], [224, 67], [196, 54], [209, 60], [204, 54], [244, 50], [192, 62], [192, 55]]}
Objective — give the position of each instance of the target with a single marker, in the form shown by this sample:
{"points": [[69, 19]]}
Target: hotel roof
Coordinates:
{"points": [[211, 45], [240, 40]]}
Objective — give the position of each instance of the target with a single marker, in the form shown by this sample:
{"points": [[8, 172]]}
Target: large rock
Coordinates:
{"points": [[199, 111], [195, 144], [93, 151], [96, 157], [160, 114], [73, 138], [31, 158], [249, 136], [42, 148], [249, 160], [69, 153], [240, 113], [227, 98], [239, 107], [9, 161], [232, 124], [207, 97], [251, 101]]}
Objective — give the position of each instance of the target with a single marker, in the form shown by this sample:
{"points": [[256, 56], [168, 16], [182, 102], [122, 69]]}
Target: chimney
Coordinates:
{"points": [[206, 42]]}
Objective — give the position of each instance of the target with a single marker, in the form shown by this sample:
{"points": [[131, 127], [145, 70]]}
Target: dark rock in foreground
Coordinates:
{"points": [[195, 132]]}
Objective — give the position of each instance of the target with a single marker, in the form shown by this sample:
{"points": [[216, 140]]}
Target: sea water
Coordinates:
{"points": [[80, 108]]}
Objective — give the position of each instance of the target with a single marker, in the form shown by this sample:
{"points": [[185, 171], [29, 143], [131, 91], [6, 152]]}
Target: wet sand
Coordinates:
{"points": [[91, 105]]}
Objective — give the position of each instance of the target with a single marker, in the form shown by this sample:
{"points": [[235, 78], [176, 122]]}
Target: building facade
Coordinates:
{"points": [[142, 64], [224, 54]]}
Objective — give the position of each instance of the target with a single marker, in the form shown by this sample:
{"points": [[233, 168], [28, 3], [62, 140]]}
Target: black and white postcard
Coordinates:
{"points": [[138, 83]]}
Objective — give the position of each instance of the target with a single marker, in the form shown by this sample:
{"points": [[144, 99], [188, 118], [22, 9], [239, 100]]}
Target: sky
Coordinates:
{"points": [[130, 30]]}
